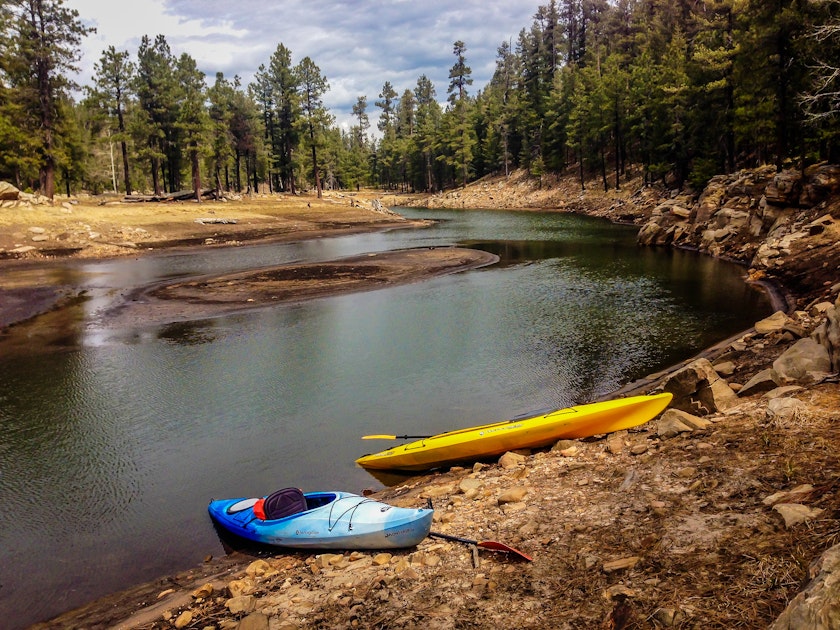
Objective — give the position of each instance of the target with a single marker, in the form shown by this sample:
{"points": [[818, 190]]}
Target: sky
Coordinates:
{"points": [[357, 44]]}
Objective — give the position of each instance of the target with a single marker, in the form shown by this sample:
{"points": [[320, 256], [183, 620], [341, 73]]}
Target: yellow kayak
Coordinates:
{"points": [[531, 432]]}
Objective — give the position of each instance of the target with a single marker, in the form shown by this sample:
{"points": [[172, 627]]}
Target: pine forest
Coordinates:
{"points": [[674, 91]]}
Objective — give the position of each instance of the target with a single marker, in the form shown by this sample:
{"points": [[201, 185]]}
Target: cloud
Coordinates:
{"points": [[358, 45]]}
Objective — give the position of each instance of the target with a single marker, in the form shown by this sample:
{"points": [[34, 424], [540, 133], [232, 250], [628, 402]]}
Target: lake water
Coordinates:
{"points": [[109, 452]]}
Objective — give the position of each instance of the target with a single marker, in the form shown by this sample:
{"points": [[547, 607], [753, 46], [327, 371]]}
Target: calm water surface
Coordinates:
{"points": [[110, 452]]}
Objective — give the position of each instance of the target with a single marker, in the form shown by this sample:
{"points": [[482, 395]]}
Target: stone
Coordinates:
{"points": [[725, 368], [513, 495], [8, 192], [669, 617], [258, 568], [806, 355], [468, 484], [237, 588], [254, 621], [796, 513], [241, 604], [203, 592], [511, 460], [699, 389], [785, 409], [784, 390], [828, 335], [796, 495], [621, 564], [775, 323], [764, 381], [670, 426], [562, 445], [381, 559], [691, 421], [615, 444], [184, 619], [817, 607]]}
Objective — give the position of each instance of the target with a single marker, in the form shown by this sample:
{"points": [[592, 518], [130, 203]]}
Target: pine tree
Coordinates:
{"points": [[113, 77], [220, 96], [156, 87], [312, 85], [428, 115], [41, 47], [193, 120], [462, 140]]}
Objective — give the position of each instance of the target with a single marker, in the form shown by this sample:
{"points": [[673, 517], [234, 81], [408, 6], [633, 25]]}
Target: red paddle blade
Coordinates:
{"points": [[497, 546]]}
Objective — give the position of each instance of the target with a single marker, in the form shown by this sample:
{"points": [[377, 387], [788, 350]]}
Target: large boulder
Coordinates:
{"points": [[806, 355], [828, 335], [8, 192], [785, 189], [817, 607], [822, 180], [699, 390]]}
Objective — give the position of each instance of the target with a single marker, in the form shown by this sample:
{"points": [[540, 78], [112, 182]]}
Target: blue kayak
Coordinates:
{"points": [[322, 520]]}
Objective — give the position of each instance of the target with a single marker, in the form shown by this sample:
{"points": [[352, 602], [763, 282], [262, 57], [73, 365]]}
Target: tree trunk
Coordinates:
{"points": [[155, 176], [316, 174], [123, 148], [196, 171]]}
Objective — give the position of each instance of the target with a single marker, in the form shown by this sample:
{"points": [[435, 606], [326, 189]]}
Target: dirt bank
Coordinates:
{"points": [[643, 529]]}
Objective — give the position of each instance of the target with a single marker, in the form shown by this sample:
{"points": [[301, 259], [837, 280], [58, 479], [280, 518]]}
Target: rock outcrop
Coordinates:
{"points": [[785, 226]]}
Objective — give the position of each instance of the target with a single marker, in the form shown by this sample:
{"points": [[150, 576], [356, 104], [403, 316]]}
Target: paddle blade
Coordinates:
{"points": [[497, 546], [379, 437]]}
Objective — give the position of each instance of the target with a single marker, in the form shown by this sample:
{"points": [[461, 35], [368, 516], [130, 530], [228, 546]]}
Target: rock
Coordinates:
{"points": [[203, 592], [784, 409], [669, 617], [764, 381], [806, 355], [513, 495], [258, 568], [184, 619], [237, 588], [785, 189], [828, 335], [8, 192], [382, 559], [468, 484], [796, 495], [670, 426], [511, 460], [254, 621], [698, 389], [241, 604], [562, 445], [691, 421], [783, 391], [615, 444], [724, 368], [795, 513], [817, 607], [687, 472], [775, 323], [621, 564]]}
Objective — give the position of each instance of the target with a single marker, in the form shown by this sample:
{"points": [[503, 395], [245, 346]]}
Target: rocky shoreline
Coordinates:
{"points": [[723, 512]]}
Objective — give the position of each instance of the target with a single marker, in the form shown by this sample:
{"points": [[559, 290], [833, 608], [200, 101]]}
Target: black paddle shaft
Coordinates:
{"points": [[451, 537]]}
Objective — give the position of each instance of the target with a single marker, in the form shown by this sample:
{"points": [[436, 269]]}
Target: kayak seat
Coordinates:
{"points": [[284, 503]]}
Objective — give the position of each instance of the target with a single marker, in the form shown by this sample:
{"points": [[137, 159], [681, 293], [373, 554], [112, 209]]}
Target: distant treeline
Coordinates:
{"points": [[677, 90]]}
